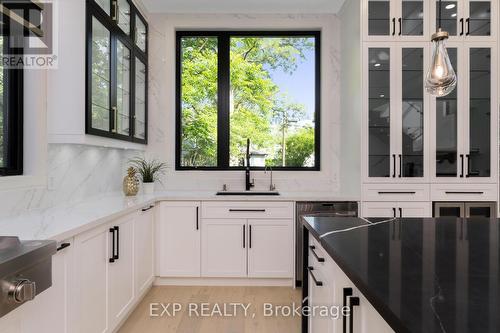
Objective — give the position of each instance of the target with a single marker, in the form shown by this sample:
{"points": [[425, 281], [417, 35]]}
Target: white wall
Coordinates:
{"points": [[162, 100], [351, 96]]}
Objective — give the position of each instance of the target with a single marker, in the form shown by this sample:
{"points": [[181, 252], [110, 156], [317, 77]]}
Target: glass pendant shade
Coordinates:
{"points": [[441, 78]]}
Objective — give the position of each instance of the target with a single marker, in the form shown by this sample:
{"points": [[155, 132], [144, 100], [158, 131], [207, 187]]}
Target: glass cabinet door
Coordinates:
{"points": [[379, 18], [122, 111], [447, 128], [123, 16], [140, 100], [449, 16], [479, 158], [100, 77], [379, 112], [479, 21], [411, 22], [412, 113], [140, 33]]}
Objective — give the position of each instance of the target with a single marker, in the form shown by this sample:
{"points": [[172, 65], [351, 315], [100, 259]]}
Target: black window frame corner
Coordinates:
{"points": [[93, 10], [223, 109], [13, 98]]}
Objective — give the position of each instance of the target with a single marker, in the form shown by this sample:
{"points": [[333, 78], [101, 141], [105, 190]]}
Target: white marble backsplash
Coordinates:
{"points": [[74, 172]]}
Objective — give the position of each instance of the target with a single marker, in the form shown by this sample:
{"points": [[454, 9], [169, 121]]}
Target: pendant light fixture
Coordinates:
{"points": [[441, 78]]}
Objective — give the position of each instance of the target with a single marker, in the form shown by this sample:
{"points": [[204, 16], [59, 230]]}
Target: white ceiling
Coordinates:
{"points": [[243, 6]]}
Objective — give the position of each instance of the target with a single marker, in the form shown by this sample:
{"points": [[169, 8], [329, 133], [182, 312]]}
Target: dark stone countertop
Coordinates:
{"points": [[422, 275]]}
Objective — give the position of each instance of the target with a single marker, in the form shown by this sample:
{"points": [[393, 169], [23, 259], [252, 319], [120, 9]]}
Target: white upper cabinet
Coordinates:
{"points": [[464, 139], [416, 20], [396, 113], [395, 20], [472, 20]]}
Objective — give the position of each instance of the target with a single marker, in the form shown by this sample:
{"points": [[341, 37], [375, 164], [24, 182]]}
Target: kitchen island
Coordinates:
{"points": [[418, 274]]}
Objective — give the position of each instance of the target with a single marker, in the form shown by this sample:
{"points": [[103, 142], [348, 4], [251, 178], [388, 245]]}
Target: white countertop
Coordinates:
{"points": [[69, 219]]}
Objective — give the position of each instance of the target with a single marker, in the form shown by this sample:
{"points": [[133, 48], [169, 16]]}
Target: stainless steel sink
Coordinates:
{"points": [[247, 193]]}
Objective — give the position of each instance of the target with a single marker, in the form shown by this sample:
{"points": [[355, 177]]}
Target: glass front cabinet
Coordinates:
{"points": [[464, 145], [116, 71], [466, 19], [412, 20], [395, 20], [396, 113]]}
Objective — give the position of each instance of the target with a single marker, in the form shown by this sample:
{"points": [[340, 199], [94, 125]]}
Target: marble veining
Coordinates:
{"points": [[75, 173], [423, 275]]}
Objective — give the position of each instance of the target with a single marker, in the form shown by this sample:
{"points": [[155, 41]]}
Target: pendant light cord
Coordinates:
{"points": [[439, 14]]}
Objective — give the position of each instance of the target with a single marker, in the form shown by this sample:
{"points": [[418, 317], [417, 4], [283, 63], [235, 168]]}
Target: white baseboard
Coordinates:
{"points": [[229, 282]]}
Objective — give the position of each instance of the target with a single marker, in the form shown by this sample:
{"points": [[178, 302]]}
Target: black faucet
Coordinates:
{"points": [[248, 184]]}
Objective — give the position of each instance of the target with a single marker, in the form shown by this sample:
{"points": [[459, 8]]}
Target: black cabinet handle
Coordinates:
{"points": [[250, 236], [468, 26], [464, 192], [112, 258], [400, 26], [197, 218], [63, 246], [400, 212], [117, 256], [400, 164], [393, 26], [353, 301], [148, 208], [316, 282], [394, 212], [318, 258], [462, 165], [462, 27], [247, 210], [397, 192], [347, 294], [394, 166], [467, 158], [244, 236]]}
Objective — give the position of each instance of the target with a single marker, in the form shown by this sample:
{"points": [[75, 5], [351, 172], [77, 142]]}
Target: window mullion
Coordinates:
{"points": [[223, 100]]}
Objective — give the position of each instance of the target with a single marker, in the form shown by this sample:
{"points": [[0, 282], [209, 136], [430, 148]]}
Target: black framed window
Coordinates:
{"points": [[233, 86], [11, 113], [117, 63]]}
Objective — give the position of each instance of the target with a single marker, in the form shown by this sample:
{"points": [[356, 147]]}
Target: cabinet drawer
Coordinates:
{"points": [[396, 192], [463, 192], [257, 210]]}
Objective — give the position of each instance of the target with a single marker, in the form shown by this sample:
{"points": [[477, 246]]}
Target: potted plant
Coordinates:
{"points": [[150, 172]]}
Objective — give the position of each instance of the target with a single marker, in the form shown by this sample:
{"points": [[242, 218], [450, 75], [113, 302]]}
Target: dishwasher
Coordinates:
{"points": [[330, 208]]}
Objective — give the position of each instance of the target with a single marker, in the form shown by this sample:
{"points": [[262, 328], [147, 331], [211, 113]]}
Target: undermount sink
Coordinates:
{"points": [[248, 193]]}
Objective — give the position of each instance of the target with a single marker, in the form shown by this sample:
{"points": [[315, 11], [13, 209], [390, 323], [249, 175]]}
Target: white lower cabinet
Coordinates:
{"points": [[92, 257], [52, 310], [106, 272], [397, 209], [144, 250], [330, 286], [224, 248], [121, 271], [179, 239], [270, 243], [247, 240]]}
